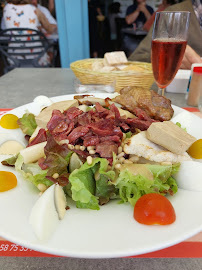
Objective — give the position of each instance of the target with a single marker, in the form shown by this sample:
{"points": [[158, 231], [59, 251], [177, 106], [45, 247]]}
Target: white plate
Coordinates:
{"points": [[109, 232]]}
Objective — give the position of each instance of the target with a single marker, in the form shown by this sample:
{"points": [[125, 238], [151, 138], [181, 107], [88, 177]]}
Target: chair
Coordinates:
{"points": [[23, 47]]}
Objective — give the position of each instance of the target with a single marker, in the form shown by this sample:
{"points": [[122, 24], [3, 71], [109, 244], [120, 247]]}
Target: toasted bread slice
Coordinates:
{"points": [[115, 58]]}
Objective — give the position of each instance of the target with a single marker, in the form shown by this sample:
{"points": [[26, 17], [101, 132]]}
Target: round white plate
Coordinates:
{"points": [[107, 233]]}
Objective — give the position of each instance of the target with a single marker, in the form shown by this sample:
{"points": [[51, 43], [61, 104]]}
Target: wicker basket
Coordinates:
{"points": [[82, 70]]}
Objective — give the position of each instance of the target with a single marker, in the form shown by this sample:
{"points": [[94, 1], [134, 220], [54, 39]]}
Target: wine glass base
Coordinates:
{"points": [[161, 91]]}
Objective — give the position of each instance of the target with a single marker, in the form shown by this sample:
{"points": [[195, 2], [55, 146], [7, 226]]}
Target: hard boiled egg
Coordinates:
{"points": [[189, 176], [9, 144], [47, 211], [191, 122]]}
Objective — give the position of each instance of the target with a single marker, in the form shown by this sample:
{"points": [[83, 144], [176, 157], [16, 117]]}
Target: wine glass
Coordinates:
{"points": [[169, 40]]}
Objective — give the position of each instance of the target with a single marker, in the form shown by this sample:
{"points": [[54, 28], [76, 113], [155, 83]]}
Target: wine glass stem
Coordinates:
{"points": [[161, 91]]}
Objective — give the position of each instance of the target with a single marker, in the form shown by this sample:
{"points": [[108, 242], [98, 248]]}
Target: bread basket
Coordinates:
{"points": [[83, 71]]}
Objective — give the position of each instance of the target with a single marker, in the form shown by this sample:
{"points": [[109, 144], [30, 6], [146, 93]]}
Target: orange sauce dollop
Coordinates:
{"points": [[8, 181], [9, 121]]}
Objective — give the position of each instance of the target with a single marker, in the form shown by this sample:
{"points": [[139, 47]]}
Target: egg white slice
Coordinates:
{"points": [[10, 144], [47, 211], [42, 101], [189, 176], [44, 217], [191, 122]]}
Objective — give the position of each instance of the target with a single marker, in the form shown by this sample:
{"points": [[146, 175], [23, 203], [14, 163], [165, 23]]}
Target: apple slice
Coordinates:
{"points": [[33, 153]]}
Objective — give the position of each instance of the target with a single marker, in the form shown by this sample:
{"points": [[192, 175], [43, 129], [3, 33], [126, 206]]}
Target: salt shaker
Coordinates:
{"points": [[195, 87]]}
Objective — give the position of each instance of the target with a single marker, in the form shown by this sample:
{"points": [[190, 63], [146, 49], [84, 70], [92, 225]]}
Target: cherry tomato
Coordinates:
{"points": [[153, 209], [195, 150]]}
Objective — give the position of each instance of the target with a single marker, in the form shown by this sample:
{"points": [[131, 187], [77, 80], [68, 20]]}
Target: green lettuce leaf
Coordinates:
{"points": [[132, 187], [83, 183], [129, 134], [105, 190], [10, 161], [27, 123], [32, 172], [179, 125]]}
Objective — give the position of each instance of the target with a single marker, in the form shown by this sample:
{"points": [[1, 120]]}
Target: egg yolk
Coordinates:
{"points": [[195, 150], [9, 121], [8, 181]]}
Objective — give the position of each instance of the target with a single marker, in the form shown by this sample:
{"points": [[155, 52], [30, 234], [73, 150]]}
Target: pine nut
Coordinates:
{"points": [[77, 147], [109, 168], [90, 148], [124, 137], [166, 163], [120, 155], [70, 146], [117, 166], [120, 149], [82, 148], [63, 142], [92, 152], [41, 187], [89, 160], [134, 158], [121, 160], [127, 161], [55, 175]]}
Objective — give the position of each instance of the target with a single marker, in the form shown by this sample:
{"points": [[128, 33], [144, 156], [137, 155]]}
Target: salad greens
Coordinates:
{"points": [[27, 123], [93, 185], [179, 125], [152, 179], [87, 191]]}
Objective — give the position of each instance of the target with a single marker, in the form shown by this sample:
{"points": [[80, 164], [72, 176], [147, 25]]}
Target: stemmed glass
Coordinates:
{"points": [[169, 42]]}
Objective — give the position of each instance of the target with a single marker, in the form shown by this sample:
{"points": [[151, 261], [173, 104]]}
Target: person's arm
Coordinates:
{"points": [[149, 23], [50, 28], [143, 9], [130, 18], [51, 6], [190, 57]]}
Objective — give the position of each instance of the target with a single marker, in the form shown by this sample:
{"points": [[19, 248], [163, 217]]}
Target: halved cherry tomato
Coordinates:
{"points": [[154, 208], [195, 150]]}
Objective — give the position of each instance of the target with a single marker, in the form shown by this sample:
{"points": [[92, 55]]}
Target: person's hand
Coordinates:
{"points": [[142, 7], [190, 57]]}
